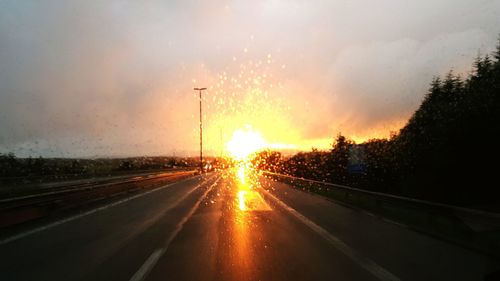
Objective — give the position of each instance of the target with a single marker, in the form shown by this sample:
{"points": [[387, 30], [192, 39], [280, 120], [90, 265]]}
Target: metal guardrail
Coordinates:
{"points": [[468, 227], [19, 209], [89, 185], [391, 197]]}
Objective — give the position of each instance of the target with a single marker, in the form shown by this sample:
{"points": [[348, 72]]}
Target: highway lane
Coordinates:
{"points": [[238, 235], [408, 254], [73, 249], [226, 226]]}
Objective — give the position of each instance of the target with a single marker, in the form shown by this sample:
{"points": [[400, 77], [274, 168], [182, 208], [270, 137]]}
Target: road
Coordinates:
{"points": [[231, 225]]}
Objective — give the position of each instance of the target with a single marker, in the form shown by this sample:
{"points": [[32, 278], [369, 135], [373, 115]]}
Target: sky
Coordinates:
{"points": [[116, 78]]}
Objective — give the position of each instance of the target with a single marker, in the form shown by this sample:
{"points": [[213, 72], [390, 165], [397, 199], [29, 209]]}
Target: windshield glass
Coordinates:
{"points": [[249, 140]]}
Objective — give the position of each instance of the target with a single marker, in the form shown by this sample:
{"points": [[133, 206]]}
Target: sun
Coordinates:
{"points": [[244, 142]]}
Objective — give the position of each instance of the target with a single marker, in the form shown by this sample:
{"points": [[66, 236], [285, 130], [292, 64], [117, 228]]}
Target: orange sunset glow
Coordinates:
{"points": [[249, 109], [290, 72]]}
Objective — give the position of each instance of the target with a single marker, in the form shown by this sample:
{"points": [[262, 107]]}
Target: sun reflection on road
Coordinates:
{"points": [[249, 209], [248, 198], [241, 174], [241, 199]]}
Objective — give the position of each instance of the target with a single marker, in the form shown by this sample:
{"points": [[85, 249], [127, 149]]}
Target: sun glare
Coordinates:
{"points": [[241, 200], [241, 174], [245, 142]]}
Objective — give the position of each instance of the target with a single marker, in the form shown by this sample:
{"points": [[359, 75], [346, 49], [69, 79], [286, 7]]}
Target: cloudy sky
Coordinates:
{"points": [[115, 78]]}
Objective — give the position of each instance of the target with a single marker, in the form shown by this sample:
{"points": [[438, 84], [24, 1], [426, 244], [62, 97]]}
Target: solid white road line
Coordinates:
{"points": [[149, 264], [56, 223], [375, 269]]}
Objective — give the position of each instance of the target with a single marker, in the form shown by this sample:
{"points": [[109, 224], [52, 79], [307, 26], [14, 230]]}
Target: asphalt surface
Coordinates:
{"points": [[231, 225]]}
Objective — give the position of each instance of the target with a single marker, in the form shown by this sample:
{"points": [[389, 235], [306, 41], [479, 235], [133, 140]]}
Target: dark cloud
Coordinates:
{"points": [[113, 78]]}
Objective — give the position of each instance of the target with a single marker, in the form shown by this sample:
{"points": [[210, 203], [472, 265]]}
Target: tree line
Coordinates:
{"points": [[447, 152]]}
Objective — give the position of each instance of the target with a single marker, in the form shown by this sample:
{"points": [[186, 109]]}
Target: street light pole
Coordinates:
{"points": [[201, 131]]}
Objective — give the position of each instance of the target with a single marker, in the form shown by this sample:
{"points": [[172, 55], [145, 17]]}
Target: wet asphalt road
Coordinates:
{"points": [[231, 226]]}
